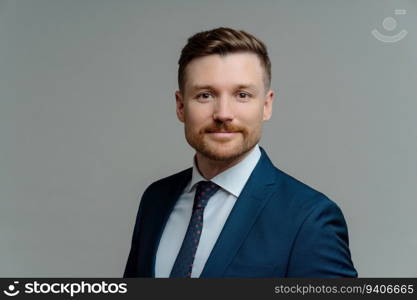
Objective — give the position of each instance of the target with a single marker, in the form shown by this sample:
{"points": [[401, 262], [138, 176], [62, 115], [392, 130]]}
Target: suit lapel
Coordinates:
{"points": [[166, 203], [250, 203]]}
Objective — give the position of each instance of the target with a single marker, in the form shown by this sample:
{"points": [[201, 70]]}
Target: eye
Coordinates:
{"points": [[243, 96], [204, 96]]}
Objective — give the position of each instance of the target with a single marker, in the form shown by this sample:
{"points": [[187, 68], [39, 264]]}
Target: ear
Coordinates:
{"points": [[269, 99], [180, 105]]}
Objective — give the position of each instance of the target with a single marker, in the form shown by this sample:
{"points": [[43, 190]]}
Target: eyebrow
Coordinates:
{"points": [[197, 87]]}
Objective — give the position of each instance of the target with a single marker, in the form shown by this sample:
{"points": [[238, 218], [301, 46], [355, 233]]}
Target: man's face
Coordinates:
{"points": [[224, 104]]}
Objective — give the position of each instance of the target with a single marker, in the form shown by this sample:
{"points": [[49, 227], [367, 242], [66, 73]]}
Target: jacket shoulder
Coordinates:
{"points": [[320, 245], [298, 194], [170, 181]]}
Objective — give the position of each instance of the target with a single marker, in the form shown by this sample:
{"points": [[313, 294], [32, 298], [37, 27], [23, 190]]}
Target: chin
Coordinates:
{"points": [[221, 155], [223, 151]]}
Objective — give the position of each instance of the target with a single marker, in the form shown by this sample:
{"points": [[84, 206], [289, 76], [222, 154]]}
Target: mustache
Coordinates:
{"points": [[224, 127]]}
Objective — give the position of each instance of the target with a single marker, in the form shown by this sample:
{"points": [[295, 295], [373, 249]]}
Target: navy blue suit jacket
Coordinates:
{"points": [[279, 227]]}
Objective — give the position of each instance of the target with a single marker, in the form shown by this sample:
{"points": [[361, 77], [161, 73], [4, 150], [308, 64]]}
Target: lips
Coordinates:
{"points": [[222, 134]]}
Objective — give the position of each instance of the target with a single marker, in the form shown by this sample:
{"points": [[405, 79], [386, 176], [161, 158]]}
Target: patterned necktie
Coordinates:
{"points": [[184, 263]]}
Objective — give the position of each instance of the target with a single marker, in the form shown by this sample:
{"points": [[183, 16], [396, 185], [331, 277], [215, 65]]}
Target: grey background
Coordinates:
{"points": [[87, 121]]}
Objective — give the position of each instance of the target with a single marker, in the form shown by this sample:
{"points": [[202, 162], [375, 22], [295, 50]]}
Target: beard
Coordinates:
{"points": [[223, 150]]}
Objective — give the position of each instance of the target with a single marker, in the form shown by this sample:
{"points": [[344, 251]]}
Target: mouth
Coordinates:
{"points": [[222, 134]]}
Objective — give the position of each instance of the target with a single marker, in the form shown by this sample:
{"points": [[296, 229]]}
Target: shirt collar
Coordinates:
{"points": [[233, 179]]}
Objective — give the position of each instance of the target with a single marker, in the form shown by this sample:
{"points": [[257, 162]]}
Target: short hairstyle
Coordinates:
{"points": [[222, 41]]}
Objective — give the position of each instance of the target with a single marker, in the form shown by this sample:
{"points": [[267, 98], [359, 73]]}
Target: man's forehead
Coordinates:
{"points": [[228, 61], [233, 70]]}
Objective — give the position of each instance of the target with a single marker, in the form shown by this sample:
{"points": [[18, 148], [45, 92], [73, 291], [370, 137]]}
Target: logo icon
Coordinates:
{"points": [[390, 24], [12, 290]]}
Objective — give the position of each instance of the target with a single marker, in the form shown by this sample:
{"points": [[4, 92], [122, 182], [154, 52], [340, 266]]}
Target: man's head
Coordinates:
{"points": [[224, 78]]}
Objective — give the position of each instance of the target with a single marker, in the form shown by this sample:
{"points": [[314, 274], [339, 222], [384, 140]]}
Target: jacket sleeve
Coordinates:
{"points": [[132, 261], [321, 246]]}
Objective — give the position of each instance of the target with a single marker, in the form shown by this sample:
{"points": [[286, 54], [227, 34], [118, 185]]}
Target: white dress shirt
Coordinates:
{"points": [[231, 182]]}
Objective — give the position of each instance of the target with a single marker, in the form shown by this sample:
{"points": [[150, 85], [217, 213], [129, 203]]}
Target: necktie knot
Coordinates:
{"points": [[205, 189]]}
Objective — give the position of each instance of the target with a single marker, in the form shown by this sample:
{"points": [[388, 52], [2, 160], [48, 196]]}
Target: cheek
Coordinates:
{"points": [[251, 116], [196, 116]]}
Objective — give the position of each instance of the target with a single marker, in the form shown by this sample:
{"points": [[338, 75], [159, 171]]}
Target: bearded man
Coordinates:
{"points": [[233, 213]]}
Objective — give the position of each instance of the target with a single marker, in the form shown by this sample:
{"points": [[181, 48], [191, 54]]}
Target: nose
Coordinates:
{"points": [[223, 110]]}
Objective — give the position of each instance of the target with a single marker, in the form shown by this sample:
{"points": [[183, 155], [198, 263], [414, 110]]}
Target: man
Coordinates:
{"points": [[233, 214]]}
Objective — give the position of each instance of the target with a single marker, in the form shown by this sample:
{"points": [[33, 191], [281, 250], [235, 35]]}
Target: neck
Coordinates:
{"points": [[210, 168]]}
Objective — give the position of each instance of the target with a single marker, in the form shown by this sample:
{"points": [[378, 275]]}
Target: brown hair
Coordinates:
{"points": [[222, 41]]}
